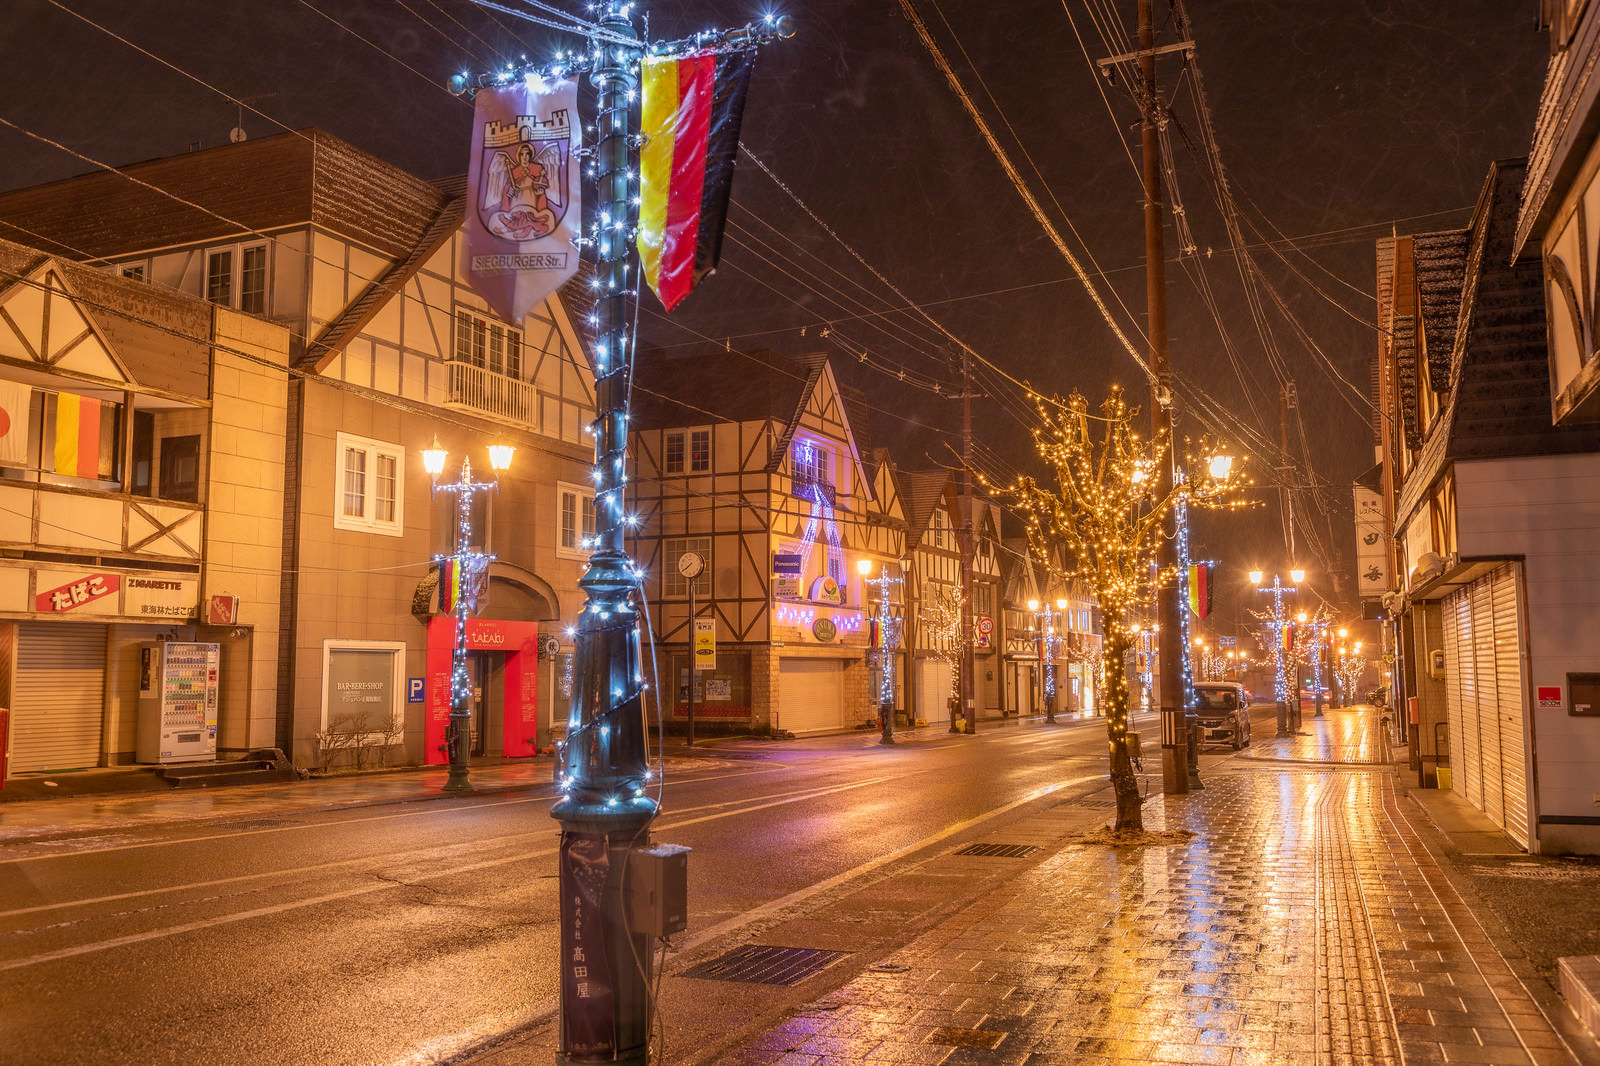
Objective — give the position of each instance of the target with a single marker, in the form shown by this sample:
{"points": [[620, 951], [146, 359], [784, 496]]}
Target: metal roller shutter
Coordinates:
{"points": [[1511, 710], [810, 695], [1484, 639], [58, 705], [1457, 670]]}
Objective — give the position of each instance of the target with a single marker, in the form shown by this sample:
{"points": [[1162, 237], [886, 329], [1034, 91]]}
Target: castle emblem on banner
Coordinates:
{"points": [[523, 176]]}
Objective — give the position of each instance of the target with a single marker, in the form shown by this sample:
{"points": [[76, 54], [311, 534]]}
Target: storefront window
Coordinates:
{"points": [[719, 695]]}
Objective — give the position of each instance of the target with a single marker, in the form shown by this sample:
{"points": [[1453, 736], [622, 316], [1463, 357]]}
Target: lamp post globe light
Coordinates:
{"points": [[462, 575], [1280, 626]]}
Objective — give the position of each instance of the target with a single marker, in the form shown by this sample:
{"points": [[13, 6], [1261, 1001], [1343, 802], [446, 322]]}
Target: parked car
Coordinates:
{"points": [[1220, 708]]}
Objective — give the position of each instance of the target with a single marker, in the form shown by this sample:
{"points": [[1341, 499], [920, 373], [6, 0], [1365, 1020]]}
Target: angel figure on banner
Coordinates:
{"points": [[518, 194]]}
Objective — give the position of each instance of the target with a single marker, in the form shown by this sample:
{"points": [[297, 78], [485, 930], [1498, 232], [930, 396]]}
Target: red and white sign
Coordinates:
{"points": [[986, 626], [87, 589], [1550, 698], [222, 610]]}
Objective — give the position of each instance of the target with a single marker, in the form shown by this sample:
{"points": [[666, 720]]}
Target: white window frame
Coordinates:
{"points": [[366, 522], [478, 339], [397, 685], [696, 436], [579, 494], [236, 275], [679, 438]]}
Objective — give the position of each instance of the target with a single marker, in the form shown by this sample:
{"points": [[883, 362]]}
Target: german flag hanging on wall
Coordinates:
{"points": [[690, 114], [1200, 589]]}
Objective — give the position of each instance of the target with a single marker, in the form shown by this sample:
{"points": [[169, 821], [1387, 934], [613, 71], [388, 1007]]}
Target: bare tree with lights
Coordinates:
{"points": [[1104, 519], [942, 617]]}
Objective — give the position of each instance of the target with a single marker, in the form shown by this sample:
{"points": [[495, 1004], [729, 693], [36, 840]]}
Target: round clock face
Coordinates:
{"points": [[690, 564]]}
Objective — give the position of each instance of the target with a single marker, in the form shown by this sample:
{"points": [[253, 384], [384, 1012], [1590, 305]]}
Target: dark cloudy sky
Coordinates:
{"points": [[1338, 121]]}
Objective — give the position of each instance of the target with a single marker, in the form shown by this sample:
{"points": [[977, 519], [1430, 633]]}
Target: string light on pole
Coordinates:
{"points": [[462, 576], [1281, 632], [884, 638]]}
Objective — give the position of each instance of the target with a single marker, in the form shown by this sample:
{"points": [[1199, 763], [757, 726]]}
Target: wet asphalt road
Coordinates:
{"points": [[412, 931]]}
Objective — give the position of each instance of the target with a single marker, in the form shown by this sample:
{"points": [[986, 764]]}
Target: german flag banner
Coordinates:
{"points": [[691, 112], [77, 435], [1200, 589]]}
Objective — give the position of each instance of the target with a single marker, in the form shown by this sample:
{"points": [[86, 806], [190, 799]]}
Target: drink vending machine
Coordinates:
{"points": [[177, 702]]}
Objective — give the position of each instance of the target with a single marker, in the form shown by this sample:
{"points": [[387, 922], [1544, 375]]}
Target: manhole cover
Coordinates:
{"points": [[764, 964], [999, 851]]}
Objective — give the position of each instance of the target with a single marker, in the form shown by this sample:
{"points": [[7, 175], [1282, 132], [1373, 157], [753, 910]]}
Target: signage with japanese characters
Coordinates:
{"points": [[60, 592], [705, 643], [1372, 546], [158, 596]]}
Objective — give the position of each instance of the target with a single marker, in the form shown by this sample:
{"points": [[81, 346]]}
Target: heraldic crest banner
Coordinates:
{"points": [[525, 209]]}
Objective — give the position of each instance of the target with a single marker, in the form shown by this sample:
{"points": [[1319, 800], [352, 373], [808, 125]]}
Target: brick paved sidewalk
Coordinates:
{"points": [[1304, 923]]}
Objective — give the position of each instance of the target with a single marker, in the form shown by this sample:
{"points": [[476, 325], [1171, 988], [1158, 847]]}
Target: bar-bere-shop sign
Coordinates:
{"points": [[154, 596]]}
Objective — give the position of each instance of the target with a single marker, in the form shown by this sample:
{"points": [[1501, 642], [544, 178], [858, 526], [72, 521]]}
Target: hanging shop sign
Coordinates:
{"points": [[705, 643], [826, 590]]}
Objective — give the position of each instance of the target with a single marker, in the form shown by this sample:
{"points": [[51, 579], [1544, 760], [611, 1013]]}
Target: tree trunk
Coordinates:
{"points": [[1130, 815]]}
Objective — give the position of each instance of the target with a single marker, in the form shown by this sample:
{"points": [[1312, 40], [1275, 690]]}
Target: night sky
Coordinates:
{"points": [[1338, 121]]}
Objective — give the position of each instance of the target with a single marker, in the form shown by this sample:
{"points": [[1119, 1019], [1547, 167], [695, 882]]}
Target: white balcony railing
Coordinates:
{"points": [[493, 394]]}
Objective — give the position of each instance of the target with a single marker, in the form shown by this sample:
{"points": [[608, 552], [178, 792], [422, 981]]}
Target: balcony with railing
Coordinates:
{"points": [[485, 392]]}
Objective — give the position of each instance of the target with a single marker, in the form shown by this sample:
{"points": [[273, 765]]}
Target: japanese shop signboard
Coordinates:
{"points": [[60, 592]]}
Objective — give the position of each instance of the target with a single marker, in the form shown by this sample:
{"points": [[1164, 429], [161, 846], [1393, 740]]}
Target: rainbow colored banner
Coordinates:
{"points": [[77, 435], [691, 112]]}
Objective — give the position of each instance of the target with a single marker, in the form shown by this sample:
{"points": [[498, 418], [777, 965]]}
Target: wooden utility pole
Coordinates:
{"points": [[968, 633], [1169, 643]]}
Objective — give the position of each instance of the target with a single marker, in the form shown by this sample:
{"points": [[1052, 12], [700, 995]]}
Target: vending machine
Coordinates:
{"points": [[177, 702]]}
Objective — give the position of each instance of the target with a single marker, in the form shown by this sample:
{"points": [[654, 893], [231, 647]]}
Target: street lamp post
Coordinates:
{"points": [[1278, 623], [1048, 643], [459, 584], [888, 635]]}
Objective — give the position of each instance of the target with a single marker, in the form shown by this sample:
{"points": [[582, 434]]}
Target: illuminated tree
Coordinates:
{"points": [[1103, 520], [942, 615]]}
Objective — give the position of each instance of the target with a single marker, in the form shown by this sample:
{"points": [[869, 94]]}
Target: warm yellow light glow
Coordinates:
{"points": [[1297, 576], [1033, 605], [1256, 576], [1061, 604], [863, 567], [500, 454], [433, 457], [1221, 465], [1301, 617], [1343, 632]]}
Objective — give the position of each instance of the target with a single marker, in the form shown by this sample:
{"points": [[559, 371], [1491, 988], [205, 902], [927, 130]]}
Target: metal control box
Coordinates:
{"points": [[658, 889]]}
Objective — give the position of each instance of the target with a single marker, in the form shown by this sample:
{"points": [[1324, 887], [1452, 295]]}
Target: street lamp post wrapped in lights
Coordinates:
{"points": [[1280, 624], [462, 573]]}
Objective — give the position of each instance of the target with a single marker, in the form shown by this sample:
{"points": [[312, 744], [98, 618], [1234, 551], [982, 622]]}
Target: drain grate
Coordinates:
{"points": [[999, 851], [764, 964]]}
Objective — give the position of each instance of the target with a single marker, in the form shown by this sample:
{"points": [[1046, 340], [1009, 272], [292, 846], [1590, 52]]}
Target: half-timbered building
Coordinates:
{"points": [[933, 502], [389, 351], [141, 501], [757, 508]]}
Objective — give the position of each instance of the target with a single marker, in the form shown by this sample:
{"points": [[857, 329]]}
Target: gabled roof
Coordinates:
{"points": [[921, 492]]}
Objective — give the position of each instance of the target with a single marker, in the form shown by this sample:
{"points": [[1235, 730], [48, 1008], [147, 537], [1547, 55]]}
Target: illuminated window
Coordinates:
{"points": [[369, 491], [577, 520]]}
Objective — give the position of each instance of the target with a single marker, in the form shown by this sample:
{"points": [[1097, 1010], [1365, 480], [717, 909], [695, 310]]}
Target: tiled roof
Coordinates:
{"points": [[1439, 260], [254, 187], [1501, 376], [700, 387]]}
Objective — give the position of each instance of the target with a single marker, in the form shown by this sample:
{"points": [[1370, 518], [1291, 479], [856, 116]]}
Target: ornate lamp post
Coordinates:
{"points": [[1279, 623], [1048, 643], [458, 584]]}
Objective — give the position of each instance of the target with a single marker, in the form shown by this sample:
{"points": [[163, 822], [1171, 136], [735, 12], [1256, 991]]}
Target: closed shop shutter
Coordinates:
{"points": [[1484, 639], [1455, 679], [58, 704], [810, 695], [1461, 680], [1511, 710], [933, 690]]}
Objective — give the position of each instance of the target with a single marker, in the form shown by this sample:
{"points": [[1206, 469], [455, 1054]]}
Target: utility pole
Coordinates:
{"points": [[604, 770], [1169, 646], [968, 632]]}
